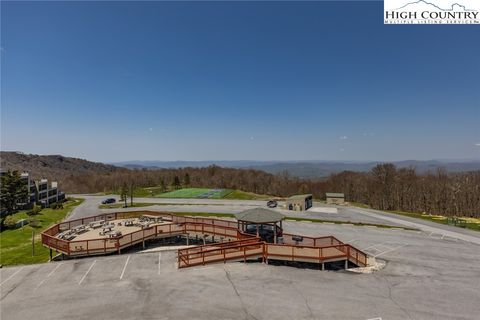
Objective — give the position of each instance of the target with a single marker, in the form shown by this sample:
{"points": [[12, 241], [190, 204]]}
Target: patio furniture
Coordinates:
{"points": [[96, 224], [70, 237], [129, 223], [114, 234]]}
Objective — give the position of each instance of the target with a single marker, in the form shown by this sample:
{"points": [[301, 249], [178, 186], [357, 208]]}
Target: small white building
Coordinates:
{"points": [[335, 198]]}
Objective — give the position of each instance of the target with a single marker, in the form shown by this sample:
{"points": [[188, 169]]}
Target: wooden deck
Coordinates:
{"points": [[231, 244]]}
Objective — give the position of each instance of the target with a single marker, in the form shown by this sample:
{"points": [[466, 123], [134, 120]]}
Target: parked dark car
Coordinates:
{"points": [[272, 204], [109, 200]]}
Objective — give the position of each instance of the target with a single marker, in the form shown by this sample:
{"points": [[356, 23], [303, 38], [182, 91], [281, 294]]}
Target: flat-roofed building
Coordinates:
{"points": [[41, 192], [299, 202], [335, 198]]}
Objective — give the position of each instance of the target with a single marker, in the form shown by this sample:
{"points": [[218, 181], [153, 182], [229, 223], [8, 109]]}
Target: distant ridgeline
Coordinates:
{"points": [[308, 169]]}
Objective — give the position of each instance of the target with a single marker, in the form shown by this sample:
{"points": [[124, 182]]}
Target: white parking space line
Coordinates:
{"points": [[200, 268], [159, 262], [48, 276], [124, 267], [86, 273], [11, 276], [375, 245], [383, 247], [401, 246]]}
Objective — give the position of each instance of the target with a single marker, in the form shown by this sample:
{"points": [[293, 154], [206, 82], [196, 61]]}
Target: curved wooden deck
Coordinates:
{"points": [[231, 243]]}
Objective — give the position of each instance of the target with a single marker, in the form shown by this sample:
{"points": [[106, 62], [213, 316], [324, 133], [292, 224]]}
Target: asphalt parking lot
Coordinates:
{"points": [[426, 276]]}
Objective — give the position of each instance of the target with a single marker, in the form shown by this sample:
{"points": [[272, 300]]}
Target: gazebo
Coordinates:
{"points": [[266, 224]]}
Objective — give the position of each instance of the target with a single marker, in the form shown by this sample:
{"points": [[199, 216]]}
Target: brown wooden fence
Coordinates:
{"points": [[233, 244]]}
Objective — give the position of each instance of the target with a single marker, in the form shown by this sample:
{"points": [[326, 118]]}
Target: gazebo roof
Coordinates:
{"points": [[259, 215]]}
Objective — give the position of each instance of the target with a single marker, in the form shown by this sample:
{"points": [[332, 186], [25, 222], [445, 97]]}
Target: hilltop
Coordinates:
{"points": [[55, 167]]}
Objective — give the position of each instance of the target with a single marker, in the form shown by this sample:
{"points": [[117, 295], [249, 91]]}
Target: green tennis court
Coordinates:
{"points": [[199, 193]]}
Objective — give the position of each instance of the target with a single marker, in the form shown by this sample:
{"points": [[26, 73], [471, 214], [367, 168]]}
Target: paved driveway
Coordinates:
{"points": [[90, 208], [426, 277]]}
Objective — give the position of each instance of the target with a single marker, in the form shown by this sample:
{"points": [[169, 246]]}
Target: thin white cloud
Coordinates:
{"points": [[343, 138], [150, 129], [477, 144], [252, 138]]}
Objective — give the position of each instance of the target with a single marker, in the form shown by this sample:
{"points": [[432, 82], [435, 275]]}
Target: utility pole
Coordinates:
{"points": [[33, 243], [131, 193]]}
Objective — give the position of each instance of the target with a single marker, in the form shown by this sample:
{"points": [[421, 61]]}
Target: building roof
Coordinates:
{"points": [[299, 196], [334, 195], [259, 215]]}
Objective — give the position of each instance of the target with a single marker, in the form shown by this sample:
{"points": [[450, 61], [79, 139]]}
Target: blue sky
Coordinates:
{"points": [[253, 80]]}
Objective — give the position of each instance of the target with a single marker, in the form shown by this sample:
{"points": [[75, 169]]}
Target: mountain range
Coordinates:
{"points": [[59, 167], [309, 169]]}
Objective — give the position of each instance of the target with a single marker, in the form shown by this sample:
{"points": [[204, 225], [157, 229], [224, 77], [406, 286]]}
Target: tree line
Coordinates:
{"points": [[385, 187]]}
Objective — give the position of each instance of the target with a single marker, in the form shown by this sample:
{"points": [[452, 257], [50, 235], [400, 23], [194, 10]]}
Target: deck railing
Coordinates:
{"points": [[218, 252], [233, 244]]}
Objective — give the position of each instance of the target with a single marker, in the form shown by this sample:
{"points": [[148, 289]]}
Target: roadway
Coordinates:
{"points": [[90, 207], [426, 276]]}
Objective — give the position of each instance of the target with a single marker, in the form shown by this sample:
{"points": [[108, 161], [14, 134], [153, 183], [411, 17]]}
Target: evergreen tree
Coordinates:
{"points": [[13, 191]]}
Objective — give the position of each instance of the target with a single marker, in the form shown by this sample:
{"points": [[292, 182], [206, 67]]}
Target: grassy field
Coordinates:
{"points": [[242, 195], [16, 245], [196, 193], [472, 223], [122, 205]]}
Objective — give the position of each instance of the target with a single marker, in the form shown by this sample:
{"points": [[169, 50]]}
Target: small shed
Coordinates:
{"points": [[335, 198], [266, 224], [300, 202]]}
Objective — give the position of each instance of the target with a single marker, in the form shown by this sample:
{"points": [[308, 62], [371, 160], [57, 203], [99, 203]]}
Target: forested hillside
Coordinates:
{"points": [[53, 167], [384, 187]]}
